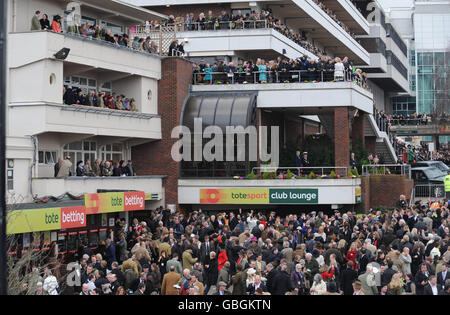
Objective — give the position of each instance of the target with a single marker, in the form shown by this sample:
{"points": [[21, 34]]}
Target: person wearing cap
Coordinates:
{"points": [[239, 281], [222, 289], [188, 260], [305, 161], [64, 168]]}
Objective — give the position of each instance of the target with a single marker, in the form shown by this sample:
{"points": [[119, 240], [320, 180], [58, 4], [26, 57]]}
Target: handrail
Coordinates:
{"points": [[300, 169], [273, 76], [405, 169], [228, 25]]}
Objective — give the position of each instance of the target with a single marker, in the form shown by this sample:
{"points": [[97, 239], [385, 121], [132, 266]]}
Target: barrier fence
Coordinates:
{"points": [[387, 169], [429, 191], [254, 77], [319, 170]]}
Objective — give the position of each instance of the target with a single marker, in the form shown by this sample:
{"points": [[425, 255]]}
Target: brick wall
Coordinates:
{"points": [[358, 130], [155, 158], [371, 144], [341, 137], [384, 190], [182, 10]]}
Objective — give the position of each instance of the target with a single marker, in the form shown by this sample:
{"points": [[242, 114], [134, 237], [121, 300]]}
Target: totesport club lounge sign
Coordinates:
{"points": [[37, 220], [259, 196], [114, 202]]}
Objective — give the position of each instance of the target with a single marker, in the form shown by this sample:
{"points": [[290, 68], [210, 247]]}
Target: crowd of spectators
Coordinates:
{"points": [[76, 96], [280, 70], [400, 252], [94, 31], [225, 20], [98, 168], [332, 14]]}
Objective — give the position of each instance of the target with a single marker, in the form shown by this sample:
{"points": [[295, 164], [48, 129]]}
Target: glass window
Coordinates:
{"points": [[112, 152], [80, 151], [207, 110], [439, 58]]}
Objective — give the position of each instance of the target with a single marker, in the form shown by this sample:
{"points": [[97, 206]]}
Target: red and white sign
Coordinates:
{"points": [[73, 217], [134, 200]]}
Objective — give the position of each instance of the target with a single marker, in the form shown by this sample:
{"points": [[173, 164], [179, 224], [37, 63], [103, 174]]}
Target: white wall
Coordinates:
{"points": [[81, 185], [139, 88], [32, 83]]}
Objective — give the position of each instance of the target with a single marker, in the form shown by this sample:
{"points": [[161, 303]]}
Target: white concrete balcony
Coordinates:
{"points": [[392, 80], [349, 14], [151, 185], [82, 121], [328, 191], [228, 42], [27, 48], [377, 61], [306, 15], [308, 98]]}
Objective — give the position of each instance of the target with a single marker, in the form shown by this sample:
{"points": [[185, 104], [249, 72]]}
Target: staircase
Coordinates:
{"points": [[384, 146]]}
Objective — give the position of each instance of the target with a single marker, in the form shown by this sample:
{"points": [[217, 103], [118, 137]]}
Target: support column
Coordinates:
{"points": [[341, 137], [358, 130], [155, 158]]}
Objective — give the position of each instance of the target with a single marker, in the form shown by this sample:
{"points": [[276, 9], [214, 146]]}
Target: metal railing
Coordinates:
{"points": [[429, 191], [409, 121], [227, 25], [387, 169], [293, 76], [317, 170]]}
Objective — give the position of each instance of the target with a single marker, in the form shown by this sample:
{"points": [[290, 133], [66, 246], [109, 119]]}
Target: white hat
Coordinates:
{"points": [[251, 271]]}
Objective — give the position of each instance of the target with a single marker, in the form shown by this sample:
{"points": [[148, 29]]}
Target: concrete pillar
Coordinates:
{"points": [[341, 137], [358, 130], [436, 142], [155, 158]]}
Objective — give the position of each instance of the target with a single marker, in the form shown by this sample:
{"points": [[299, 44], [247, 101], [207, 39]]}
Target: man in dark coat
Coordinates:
{"points": [[348, 276], [272, 273], [353, 162], [387, 274], [282, 282], [421, 279]]}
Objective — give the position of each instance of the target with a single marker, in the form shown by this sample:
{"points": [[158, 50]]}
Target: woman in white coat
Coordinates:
{"points": [[338, 70], [319, 286], [50, 283]]}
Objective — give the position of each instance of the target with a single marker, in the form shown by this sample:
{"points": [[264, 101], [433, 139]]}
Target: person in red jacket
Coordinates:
{"points": [[351, 255], [325, 274], [222, 259], [56, 24]]}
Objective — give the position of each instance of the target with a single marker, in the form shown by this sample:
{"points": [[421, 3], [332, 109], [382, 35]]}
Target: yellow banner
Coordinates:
{"points": [[114, 202], [234, 196], [33, 220], [103, 203]]}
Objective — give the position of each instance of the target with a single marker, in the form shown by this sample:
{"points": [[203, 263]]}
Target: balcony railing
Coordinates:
{"points": [[293, 76], [228, 25]]}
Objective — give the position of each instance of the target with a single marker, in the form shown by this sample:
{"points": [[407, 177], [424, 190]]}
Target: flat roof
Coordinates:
{"points": [[124, 9]]}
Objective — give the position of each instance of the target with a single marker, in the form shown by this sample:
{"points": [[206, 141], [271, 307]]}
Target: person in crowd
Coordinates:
{"points": [[80, 168], [339, 70], [353, 162], [56, 24], [65, 167], [35, 24], [45, 23], [262, 252], [57, 167]]}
